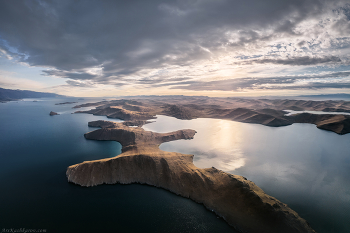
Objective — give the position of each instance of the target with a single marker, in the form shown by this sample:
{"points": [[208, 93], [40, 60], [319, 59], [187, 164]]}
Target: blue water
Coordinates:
{"points": [[301, 165], [35, 151]]}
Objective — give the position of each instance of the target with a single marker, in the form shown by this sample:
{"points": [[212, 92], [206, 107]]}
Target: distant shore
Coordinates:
{"points": [[269, 112]]}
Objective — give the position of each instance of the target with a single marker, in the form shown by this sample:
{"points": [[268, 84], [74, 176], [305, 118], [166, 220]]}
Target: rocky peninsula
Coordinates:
{"points": [[239, 201]]}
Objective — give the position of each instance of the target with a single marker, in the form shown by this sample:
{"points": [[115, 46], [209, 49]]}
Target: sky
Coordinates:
{"points": [[184, 47]]}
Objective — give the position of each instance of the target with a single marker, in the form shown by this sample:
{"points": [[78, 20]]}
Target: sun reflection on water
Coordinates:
{"points": [[217, 143], [225, 143]]}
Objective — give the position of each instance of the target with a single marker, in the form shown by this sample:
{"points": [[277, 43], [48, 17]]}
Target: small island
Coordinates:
{"points": [[239, 201], [53, 113]]}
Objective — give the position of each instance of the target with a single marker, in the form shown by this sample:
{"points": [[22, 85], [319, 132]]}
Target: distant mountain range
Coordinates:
{"points": [[8, 94]]}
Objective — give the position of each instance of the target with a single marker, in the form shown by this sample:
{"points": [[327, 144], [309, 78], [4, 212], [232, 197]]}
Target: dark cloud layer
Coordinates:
{"points": [[71, 75], [296, 61], [121, 38]]}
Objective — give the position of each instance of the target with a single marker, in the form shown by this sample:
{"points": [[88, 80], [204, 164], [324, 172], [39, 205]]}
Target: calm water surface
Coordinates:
{"points": [[35, 151], [305, 167]]}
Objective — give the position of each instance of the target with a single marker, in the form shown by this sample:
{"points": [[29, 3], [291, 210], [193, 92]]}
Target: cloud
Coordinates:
{"points": [[71, 75], [320, 81], [295, 61], [6, 54], [124, 42], [78, 83], [11, 81]]}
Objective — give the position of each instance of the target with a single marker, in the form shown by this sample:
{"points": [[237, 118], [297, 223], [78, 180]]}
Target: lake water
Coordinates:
{"points": [[35, 151], [305, 167]]}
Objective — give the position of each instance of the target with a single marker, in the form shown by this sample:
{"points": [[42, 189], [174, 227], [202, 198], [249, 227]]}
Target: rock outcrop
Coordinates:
{"points": [[239, 201], [53, 113]]}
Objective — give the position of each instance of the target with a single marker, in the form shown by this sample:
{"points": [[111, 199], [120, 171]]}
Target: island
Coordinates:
{"points": [[53, 113], [240, 202]]}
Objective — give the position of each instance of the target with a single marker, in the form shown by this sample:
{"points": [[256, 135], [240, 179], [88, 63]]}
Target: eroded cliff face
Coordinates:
{"points": [[239, 201]]}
